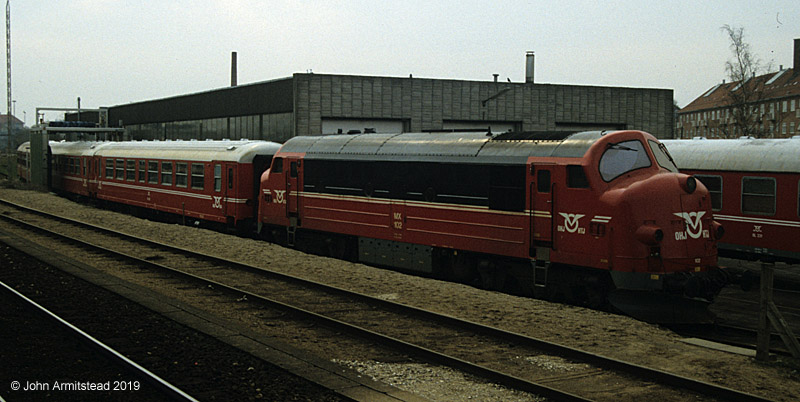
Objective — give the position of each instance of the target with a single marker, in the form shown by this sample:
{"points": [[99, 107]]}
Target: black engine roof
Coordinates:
{"points": [[480, 147]]}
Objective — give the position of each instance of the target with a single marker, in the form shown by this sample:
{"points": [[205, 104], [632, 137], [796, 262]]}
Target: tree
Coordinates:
{"points": [[745, 94]]}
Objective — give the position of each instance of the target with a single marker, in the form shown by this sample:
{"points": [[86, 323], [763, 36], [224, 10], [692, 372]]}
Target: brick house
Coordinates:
{"points": [[777, 108]]}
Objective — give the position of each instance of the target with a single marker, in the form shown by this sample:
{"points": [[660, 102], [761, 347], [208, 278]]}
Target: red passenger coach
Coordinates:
{"points": [[206, 180], [591, 217], [23, 162], [72, 167], [755, 192]]}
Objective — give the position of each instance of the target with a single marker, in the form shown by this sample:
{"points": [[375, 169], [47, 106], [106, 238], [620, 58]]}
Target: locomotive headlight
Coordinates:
{"points": [[717, 229], [649, 234], [689, 185]]}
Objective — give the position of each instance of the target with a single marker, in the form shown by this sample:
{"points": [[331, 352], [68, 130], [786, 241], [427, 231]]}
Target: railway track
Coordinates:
{"points": [[481, 350], [737, 319], [40, 331]]}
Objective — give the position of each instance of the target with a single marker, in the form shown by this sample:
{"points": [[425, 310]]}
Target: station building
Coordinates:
{"points": [[317, 104]]}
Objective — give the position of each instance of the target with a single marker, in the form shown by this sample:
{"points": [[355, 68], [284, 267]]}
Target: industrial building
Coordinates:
{"points": [[316, 104]]}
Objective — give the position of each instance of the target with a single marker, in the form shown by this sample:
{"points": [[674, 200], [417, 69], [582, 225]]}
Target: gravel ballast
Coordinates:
{"points": [[607, 334]]}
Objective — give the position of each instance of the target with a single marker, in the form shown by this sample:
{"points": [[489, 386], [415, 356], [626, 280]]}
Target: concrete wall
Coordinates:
{"points": [[428, 104], [277, 110]]}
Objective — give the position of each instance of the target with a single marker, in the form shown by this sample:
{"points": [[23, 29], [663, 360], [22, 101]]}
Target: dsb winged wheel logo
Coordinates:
{"points": [[694, 226], [571, 221]]}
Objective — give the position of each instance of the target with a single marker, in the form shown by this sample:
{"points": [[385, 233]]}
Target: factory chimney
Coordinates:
{"points": [[233, 69], [529, 66], [797, 56]]}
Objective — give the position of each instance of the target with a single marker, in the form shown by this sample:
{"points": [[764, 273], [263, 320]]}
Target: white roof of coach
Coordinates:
{"points": [[74, 148], [742, 155], [242, 151]]}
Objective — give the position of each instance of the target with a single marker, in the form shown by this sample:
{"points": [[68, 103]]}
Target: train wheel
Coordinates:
{"points": [[337, 247], [493, 277]]}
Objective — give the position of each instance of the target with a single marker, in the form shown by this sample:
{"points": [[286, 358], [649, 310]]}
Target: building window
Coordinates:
{"points": [[714, 186], [180, 174], [792, 105], [198, 176], [166, 173], [758, 195], [785, 105]]}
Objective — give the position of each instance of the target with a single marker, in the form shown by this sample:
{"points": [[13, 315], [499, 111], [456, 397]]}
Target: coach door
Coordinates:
{"points": [[541, 199], [224, 181]]}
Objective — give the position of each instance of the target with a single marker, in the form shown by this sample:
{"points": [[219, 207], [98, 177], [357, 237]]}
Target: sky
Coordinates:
{"points": [[112, 53]]}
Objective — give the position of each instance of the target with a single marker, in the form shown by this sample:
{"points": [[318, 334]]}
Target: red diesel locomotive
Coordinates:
{"points": [[592, 217], [214, 181], [755, 192]]}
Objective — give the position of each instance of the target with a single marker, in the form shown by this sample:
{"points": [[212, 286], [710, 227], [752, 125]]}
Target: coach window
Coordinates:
{"points": [[142, 166], [152, 172], [166, 173], [293, 169], [714, 186], [230, 178], [130, 170], [758, 195], [180, 174], [109, 168], [543, 181], [576, 177], [198, 176], [120, 169], [85, 167], [217, 177]]}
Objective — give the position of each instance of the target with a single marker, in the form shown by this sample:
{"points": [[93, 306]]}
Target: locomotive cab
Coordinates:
{"points": [[664, 238]]}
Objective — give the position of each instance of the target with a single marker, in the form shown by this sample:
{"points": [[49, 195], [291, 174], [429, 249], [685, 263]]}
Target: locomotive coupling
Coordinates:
{"points": [[704, 285]]}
